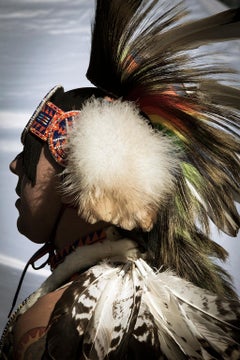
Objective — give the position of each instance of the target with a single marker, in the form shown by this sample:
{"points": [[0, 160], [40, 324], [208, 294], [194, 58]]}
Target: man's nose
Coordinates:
{"points": [[16, 164]]}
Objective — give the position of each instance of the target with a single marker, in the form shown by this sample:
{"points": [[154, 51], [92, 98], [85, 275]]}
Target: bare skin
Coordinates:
{"points": [[44, 216]]}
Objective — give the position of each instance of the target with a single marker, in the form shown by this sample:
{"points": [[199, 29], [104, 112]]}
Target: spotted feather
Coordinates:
{"points": [[120, 308]]}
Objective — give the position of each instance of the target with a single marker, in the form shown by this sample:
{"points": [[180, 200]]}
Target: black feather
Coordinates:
{"points": [[141, 51]]}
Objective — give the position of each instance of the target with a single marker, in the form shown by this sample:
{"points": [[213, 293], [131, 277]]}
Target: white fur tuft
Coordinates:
{"points": [[119, 169]]}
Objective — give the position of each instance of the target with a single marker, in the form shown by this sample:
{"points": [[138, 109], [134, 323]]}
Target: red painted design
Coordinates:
{"points": [[27, 340]]}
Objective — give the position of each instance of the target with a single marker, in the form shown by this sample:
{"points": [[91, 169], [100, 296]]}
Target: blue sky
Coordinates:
{"points": [[45, 43]]}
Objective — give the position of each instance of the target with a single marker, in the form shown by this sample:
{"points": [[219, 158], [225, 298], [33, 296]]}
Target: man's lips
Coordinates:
{"points": [[17, 203], [17, 190]]}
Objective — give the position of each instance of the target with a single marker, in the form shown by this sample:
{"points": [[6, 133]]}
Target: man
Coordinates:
{"points": [[113, 179]]}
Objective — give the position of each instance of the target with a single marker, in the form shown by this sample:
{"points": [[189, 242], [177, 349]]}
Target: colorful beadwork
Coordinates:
{"points": [[46, 98], [58, 256], [57, 135], [44, 120], [51, 124]]}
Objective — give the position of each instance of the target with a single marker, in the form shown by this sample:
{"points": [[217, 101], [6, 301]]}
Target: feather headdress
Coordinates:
{"points": [[143, 58], [141, 54], [158, 152]]}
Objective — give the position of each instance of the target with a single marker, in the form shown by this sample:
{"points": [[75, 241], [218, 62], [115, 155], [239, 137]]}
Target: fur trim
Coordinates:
{"points": [[119, 169], [112, 249]]}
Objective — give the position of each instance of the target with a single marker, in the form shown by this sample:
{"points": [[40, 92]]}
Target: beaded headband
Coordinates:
{"points": [[50, 124], [112, 137]]}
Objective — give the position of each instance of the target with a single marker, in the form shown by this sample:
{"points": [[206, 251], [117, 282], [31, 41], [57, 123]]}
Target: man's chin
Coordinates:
{"points": [[32, 234]]}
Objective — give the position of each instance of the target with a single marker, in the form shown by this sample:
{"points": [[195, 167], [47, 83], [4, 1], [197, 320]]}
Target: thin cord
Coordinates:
{"points": [[45, 249]]}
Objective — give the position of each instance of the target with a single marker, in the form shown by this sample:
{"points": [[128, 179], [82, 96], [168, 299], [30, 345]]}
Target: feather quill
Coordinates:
{"points": [[142, 52], [115, 309], [74, 311], [82, 258], [189, 315], [118, 308], [101, 325]]}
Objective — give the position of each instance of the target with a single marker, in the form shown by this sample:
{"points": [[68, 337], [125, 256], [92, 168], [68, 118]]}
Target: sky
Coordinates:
{"points": [[45, 43]]}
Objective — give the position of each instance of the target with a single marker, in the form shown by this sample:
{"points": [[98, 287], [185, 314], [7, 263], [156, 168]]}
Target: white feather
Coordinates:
{"points": [[81, 258], [187, 314], [119, 169], [125, 299], [101, 325], [93, 289], [115, 313], [136, 301]]}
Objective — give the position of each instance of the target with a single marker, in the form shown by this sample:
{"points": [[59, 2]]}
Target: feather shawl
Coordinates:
{"points": [[120, 308], [128, 311]]}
